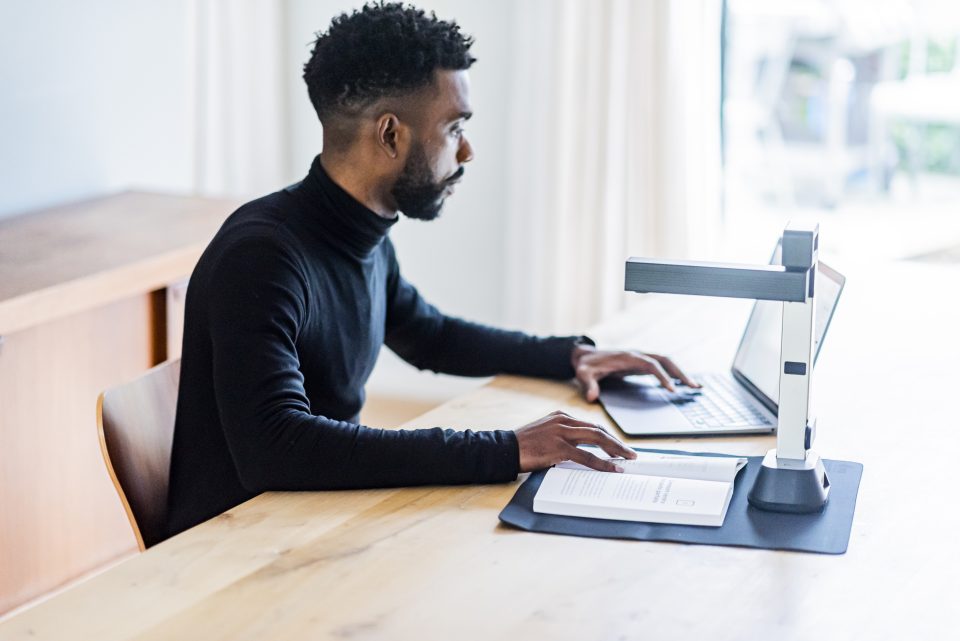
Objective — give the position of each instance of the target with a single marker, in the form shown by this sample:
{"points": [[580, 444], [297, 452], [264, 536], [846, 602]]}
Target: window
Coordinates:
{"points": [[847, 113]]}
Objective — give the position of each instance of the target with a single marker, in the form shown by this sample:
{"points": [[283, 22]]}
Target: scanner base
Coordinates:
{"points": [[797, 487]]}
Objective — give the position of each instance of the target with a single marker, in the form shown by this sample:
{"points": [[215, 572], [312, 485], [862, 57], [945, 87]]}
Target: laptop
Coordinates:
{"points": [[741, 401]]}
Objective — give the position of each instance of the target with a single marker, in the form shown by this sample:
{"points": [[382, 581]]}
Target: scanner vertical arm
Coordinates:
{"points": [[800, 252]]}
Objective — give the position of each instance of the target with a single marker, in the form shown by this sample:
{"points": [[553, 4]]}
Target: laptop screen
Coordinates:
{"points": [[757, 363]]}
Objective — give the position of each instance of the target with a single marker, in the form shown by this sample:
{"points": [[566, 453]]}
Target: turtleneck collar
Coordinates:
{"points": [[340, 217]]}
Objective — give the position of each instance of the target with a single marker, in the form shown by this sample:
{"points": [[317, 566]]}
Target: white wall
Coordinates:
{"points": [[94, 99]]}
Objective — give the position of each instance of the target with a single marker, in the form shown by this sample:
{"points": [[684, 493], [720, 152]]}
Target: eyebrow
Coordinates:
{"points": [[463, 115]]}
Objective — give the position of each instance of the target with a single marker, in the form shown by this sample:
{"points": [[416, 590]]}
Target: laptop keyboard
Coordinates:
{"points": [[720, 403]]}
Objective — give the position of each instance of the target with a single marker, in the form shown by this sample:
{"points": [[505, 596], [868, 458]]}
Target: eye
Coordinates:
{"points": [[456, 131]]}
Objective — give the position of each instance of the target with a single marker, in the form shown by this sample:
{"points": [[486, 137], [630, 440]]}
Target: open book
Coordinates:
{"points": [[657, 488]]}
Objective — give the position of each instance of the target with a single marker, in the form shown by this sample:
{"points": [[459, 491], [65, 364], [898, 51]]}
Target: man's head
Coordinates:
{"points": [[390, 86]]}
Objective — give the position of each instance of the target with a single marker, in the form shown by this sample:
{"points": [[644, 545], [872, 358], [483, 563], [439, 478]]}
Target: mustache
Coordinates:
{"points": [[455, 177]]}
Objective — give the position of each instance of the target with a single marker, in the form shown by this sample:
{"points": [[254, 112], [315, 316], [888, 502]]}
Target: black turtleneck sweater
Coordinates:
{"points": [[285, 315]]}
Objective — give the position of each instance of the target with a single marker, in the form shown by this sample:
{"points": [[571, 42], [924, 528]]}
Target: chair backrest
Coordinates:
{"points": [[135, 421]]}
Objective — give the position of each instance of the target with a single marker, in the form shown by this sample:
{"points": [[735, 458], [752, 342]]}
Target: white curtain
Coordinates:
{"points": [[238, 96], [615, 150]]}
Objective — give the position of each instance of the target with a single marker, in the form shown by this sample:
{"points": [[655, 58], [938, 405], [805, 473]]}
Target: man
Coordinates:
{"points": [[289, 305]]}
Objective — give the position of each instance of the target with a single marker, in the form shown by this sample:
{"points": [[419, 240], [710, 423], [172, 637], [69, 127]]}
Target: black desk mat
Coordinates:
{"points": [[824, 532]]}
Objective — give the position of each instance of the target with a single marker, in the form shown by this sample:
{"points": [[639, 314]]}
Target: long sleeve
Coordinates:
{"points": [[428, 339], [275, 440]]}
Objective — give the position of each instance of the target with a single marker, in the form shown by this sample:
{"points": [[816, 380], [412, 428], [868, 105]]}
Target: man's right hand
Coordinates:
{"points": [[554, 438]]}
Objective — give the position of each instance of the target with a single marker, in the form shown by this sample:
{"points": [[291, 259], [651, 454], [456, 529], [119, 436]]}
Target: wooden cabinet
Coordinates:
{"points": [[91, 295]]}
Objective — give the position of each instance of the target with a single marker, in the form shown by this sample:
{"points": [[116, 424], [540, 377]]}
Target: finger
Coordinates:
{"points": [[601, 438], [568, 422], [616, 364], [587, 459], [674, 371], [562, 418], [587, 380], [654, 367], [593, 390]]}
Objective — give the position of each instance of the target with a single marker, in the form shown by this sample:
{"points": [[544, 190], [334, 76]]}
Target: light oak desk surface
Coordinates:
{"points": [[433, 563]]}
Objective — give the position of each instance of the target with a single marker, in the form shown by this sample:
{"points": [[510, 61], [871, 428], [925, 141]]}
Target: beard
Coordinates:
{"points": [[415, 191]]}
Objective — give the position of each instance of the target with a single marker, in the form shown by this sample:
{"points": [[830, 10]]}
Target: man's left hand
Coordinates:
{"points": [[593, 365]]}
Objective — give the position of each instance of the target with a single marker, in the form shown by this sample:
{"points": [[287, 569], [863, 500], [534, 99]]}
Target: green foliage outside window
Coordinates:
{"points": [[928, 147]]}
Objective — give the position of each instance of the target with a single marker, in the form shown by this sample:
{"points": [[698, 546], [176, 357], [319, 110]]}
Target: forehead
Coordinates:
{"points": [[449, 95]]}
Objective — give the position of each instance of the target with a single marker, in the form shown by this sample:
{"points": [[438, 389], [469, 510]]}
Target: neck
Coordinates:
{"points": [[355, 178]]}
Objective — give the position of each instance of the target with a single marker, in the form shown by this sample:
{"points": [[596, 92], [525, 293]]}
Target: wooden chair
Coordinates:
{"points": [[135, 421]]}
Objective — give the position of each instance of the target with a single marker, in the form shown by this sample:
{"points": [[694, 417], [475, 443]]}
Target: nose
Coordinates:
{"points": [[465, 152]]}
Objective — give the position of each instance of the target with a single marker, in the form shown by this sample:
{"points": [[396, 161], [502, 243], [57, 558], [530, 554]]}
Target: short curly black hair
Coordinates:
{"points": [[381, 50]]}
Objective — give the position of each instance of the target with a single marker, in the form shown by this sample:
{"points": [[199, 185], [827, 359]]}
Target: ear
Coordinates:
{"points": [[391, 135]]}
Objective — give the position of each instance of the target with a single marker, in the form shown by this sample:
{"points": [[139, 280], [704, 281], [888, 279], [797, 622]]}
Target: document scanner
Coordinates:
{"points": [[792, 477]]}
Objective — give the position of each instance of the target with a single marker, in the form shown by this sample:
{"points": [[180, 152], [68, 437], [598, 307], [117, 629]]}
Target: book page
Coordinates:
{"points": [[704, 468], [631, 497]]}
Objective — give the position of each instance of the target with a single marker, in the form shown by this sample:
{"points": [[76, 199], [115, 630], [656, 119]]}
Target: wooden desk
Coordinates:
{"points": [[433, 563]]}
